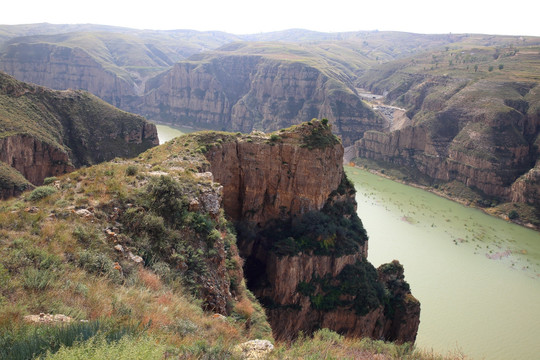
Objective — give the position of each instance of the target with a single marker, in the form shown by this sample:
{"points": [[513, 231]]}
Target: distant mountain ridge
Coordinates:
{"points": [[273, 80]]}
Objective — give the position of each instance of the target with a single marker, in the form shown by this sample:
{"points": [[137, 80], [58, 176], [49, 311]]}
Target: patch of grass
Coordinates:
{"points": [[98, 348], [29, 342], [41, 192]]}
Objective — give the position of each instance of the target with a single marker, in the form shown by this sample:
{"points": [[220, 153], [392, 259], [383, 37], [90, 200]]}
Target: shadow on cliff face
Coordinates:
{"points": [[305, 248]]}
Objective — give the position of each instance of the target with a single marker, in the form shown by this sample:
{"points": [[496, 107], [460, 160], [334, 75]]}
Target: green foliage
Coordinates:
{"points": [[49, 180], [165, 197], [306, 289], [34, 279], [41, 192], [513, 214], [358, 280], [29, 342], [96, 263], [336, 229], [98, 348], [320, 138], [131, 170]]}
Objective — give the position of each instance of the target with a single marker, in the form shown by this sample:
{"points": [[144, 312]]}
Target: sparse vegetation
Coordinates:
{"points": [[41, 192]]}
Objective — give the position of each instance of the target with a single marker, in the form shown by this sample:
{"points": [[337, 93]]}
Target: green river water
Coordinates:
{"points": [[477, 277], [166, 133]]}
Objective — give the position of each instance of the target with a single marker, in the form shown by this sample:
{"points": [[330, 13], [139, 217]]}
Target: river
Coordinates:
{"points": [[166, 132], [477, 277]]}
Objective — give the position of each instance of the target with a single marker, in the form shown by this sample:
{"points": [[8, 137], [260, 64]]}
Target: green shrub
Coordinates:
{"points": [[305, 288], [49, 180], [98, 348], [131, 170], [513, 214], [96, 263], [320, 138], [41, 192], [184, 327]]}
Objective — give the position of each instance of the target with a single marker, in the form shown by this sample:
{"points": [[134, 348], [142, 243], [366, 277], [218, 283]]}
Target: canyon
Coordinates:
{"points": [[470, 101], [245, 92], [481, 133]]}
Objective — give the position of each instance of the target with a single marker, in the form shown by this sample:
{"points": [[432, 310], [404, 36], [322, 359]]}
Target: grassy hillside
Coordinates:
{"points": [[11, 181], [75, 121], [182, 42], [128, 251]]}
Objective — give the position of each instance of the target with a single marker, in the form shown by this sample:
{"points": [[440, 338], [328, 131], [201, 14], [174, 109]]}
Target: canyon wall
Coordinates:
{"points": [[62, 67], [304, 246], [481, 134], [251, 92]]}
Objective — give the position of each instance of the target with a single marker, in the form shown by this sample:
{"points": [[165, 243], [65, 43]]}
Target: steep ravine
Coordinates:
{"points": [[304, 246]]}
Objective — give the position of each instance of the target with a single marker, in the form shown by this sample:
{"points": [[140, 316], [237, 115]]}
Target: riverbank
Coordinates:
{"points": [[517, 213]]}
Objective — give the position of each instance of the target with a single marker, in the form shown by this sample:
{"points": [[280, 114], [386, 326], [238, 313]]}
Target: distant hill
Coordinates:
{"points": [[45, 133]]}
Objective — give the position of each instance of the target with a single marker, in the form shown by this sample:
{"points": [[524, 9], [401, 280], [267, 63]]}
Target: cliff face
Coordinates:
{"points": [[47, 133], [62, 67], [481, 135], [243, 93], [258, 190], [304, 245], [34, 159]]}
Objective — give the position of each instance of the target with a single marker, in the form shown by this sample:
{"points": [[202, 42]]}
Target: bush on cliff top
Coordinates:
{"points": [[320, 136], [335, 229]]}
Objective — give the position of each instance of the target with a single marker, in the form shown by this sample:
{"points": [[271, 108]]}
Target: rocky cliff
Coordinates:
{"points": [[479, 133], [62, 67], [304, 245], [253, 92], [47, 133]]}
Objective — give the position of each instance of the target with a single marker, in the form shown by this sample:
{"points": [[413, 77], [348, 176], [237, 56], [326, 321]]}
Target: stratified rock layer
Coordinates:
{"points": [[272, 185], [482, 133], [243, 93], [62, 67]]}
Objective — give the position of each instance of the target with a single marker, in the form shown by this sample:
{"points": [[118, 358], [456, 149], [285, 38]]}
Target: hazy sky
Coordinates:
{"points": [[519, 17]]}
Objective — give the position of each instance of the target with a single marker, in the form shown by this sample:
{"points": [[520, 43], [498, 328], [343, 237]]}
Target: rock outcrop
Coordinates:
{"points": [[33, 158], [47, 133], [305, 247], [486, 144], [253, 92]]}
